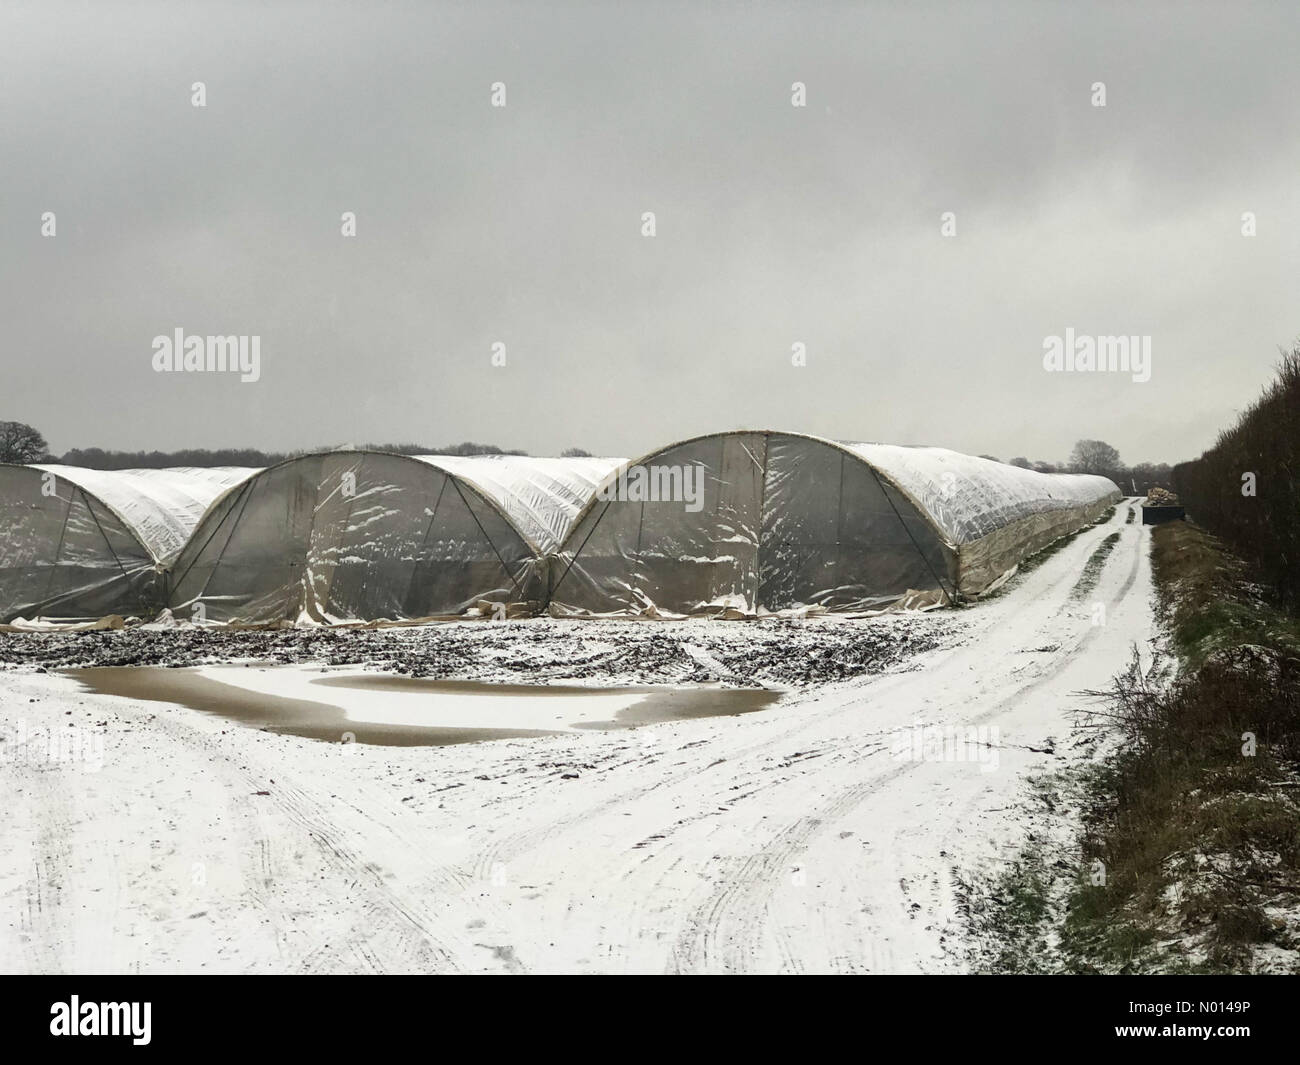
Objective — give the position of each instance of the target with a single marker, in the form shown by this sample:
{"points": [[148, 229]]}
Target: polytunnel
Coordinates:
{"points": [[77, 545], [747, 523], [350, 536]]}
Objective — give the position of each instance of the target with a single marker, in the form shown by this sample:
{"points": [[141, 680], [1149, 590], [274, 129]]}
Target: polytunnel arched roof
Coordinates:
{"points": [[964, 497], [355, 534], [967, 496], [162, 507], [541, 496]]}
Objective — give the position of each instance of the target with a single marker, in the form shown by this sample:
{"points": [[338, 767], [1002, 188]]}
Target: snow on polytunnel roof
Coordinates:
{"points": [[965, 497], [161, 507], [968, 497], [541, 496]]}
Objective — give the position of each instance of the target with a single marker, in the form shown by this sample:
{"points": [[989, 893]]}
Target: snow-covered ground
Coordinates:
{"points": [[819, 834]]}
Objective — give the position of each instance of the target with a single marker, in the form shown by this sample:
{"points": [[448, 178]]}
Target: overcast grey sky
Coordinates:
{"points": [[522, 224]]}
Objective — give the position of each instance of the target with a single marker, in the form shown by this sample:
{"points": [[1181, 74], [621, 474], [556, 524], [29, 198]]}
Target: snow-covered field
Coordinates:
{"points": [[819, 834]]}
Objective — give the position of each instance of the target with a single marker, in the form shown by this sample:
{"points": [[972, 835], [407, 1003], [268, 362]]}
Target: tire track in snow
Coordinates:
{"points": [[410, 934], [514, 846], [44, 922], [725, 931]]}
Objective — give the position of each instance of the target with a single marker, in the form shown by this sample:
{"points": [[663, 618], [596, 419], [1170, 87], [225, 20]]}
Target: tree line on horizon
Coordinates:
{"points": [[22, 444], [1097, 456]]}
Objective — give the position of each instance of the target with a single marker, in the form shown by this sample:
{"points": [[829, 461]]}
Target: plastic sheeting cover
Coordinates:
{"points": [[353, 536], [542, 496], [782, 522], [77, 545], [968, 497], [161, 506], [790, 522]]}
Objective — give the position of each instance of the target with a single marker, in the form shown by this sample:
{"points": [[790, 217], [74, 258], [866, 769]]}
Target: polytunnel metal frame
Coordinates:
{"points": [[962, 581], [513, 488], [142, 516]]}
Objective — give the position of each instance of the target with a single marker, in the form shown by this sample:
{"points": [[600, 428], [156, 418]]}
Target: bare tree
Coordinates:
{"points": [[1095, 456], [21, 443]]}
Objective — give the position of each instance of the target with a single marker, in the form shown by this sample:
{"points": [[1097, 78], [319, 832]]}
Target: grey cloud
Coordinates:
{"points": [[775, 224]]}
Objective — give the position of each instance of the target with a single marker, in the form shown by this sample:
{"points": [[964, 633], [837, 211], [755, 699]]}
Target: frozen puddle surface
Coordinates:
{"points": [[389, 709]]}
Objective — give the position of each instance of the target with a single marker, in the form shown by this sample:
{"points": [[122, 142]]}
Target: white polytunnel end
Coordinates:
{"points": [[77, 545]]}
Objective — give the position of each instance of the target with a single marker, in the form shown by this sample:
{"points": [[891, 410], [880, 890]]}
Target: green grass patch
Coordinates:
{"points": [[1209, 602], [1188, 857], [1092, 568]]}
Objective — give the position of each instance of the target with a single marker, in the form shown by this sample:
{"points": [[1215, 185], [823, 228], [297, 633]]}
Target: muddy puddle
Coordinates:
{"points": [[393, 710]]}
